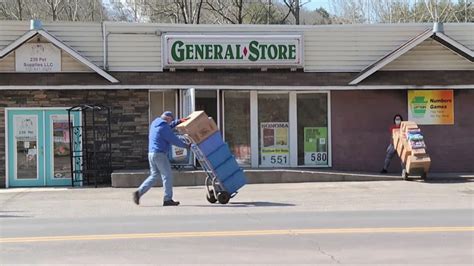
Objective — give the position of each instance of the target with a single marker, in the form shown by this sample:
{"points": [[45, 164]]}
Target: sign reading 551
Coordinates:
{"points": [[275, 160]]}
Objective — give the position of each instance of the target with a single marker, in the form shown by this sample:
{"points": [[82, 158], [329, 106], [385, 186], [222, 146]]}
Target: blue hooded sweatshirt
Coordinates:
{"points": [[161, 136]]}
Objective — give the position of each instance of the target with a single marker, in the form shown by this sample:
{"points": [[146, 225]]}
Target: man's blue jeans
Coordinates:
{"points": [[159, 165]]}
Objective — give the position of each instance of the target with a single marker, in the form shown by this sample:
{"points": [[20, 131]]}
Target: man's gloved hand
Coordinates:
{"points": [[183, 119]]}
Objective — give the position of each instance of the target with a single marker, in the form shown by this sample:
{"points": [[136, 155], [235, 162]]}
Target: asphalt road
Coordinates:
{"points": [[314, 223]]}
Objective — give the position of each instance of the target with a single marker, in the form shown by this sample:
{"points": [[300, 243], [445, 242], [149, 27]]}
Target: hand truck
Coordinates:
{"points": [[215, 192]]}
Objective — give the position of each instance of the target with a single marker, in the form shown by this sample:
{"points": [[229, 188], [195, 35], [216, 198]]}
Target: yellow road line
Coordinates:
{"points": [[241, 233]]}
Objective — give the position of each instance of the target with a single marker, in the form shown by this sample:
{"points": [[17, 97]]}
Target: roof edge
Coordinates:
{"points": [[440, 37], [30, 34]]}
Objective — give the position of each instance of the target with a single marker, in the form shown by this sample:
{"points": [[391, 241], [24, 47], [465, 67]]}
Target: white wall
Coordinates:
{"points": [[328, 48]]}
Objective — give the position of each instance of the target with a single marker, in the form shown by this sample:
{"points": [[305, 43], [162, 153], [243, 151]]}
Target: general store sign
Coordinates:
{"points": [[38, 57], [232, 50]]}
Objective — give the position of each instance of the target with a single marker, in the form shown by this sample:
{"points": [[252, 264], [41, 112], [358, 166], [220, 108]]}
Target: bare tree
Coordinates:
{"points": [[349, 11], [294, 8], [15, 9], [240, 11], [232, 11], [402, 11], [183, 11], [55, 7], [318, 16]]}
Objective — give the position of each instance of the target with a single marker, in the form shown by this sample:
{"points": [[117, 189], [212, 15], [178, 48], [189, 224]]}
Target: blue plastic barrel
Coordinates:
{"points": [[211, 143], [235, 182], [226, 169], [219, 156]]}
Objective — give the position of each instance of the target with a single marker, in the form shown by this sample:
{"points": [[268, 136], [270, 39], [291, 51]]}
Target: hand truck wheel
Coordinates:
{"points": [[223, 197], [424, 176], [405, 175], [210, 197]]}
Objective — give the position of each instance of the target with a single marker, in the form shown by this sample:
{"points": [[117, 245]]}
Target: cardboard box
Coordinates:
{"points": [[405, 153], [418, 152], [410, 128], [198, 126], [403, 124], [417, 144], [399, 147], [405, 144], [418, 164]]}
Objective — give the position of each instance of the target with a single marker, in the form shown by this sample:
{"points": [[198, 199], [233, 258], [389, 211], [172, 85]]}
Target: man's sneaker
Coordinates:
{"points": [[170, 203], [136, 197], [383, 171]]}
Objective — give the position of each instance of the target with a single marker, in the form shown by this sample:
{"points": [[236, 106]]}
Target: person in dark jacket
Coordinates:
{"points": [[397, 119], [160, 138]]}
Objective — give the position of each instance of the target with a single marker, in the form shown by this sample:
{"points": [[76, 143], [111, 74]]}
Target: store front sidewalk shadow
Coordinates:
{"points": [[13, 214], [249, 204], [441, 181]]}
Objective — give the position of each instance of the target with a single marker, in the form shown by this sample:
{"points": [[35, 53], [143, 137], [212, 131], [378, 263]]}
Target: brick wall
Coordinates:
{"points": [[360, 131], [129, 115]]}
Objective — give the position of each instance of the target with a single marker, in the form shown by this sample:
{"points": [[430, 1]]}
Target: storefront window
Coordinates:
{"points": [[273, 124], [237, 124], [161, 101], [312, 115]]}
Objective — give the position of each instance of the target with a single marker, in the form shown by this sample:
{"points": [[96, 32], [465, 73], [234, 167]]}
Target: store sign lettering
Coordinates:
{"points": [[232, 51], [38, 57], [431, 107]]}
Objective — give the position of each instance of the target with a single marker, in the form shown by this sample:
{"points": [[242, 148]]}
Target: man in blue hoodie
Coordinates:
{"points": [[160, 138]]}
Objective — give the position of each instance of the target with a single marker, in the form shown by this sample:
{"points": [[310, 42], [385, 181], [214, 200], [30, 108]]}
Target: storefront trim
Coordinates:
{"points": [[6, 147], [237, 87], [254, 130]]}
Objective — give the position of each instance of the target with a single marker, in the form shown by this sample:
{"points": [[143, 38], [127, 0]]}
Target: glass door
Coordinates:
{"points": [[57, 152], [38, 147], [188, 105], [189, 102], [25, 148]]}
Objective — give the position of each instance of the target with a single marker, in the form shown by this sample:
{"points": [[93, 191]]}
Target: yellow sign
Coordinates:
{"points": [[431, 107], [274, 150]]}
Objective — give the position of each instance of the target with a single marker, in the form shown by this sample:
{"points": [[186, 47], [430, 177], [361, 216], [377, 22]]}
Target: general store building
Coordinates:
{"points": [[283, 96]]}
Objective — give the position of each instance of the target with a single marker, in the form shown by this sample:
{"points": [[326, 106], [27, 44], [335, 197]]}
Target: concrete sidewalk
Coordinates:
{"points": [[133, 178]]}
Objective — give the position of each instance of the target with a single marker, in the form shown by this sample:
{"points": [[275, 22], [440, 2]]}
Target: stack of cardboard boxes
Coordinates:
{"points": [[411, 148], [198, 126], [205, 134]]}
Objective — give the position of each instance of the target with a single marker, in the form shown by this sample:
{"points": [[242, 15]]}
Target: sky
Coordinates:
{"points": [[326, 4]]}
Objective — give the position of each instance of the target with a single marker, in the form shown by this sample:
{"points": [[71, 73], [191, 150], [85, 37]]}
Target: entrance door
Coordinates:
{"points": [[208, 101], [38, 147], [189, 102]]}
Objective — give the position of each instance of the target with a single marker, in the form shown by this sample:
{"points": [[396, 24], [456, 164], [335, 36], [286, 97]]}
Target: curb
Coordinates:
{"points": [[128, 179]]}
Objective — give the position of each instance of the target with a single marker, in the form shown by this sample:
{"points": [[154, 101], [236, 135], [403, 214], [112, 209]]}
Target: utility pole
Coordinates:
{"points": [[269, 10], [465, 10], [297, 12]]}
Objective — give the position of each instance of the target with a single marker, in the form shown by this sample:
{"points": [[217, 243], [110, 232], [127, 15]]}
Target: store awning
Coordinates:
{"points": [[32, 33], [440, 37]]}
